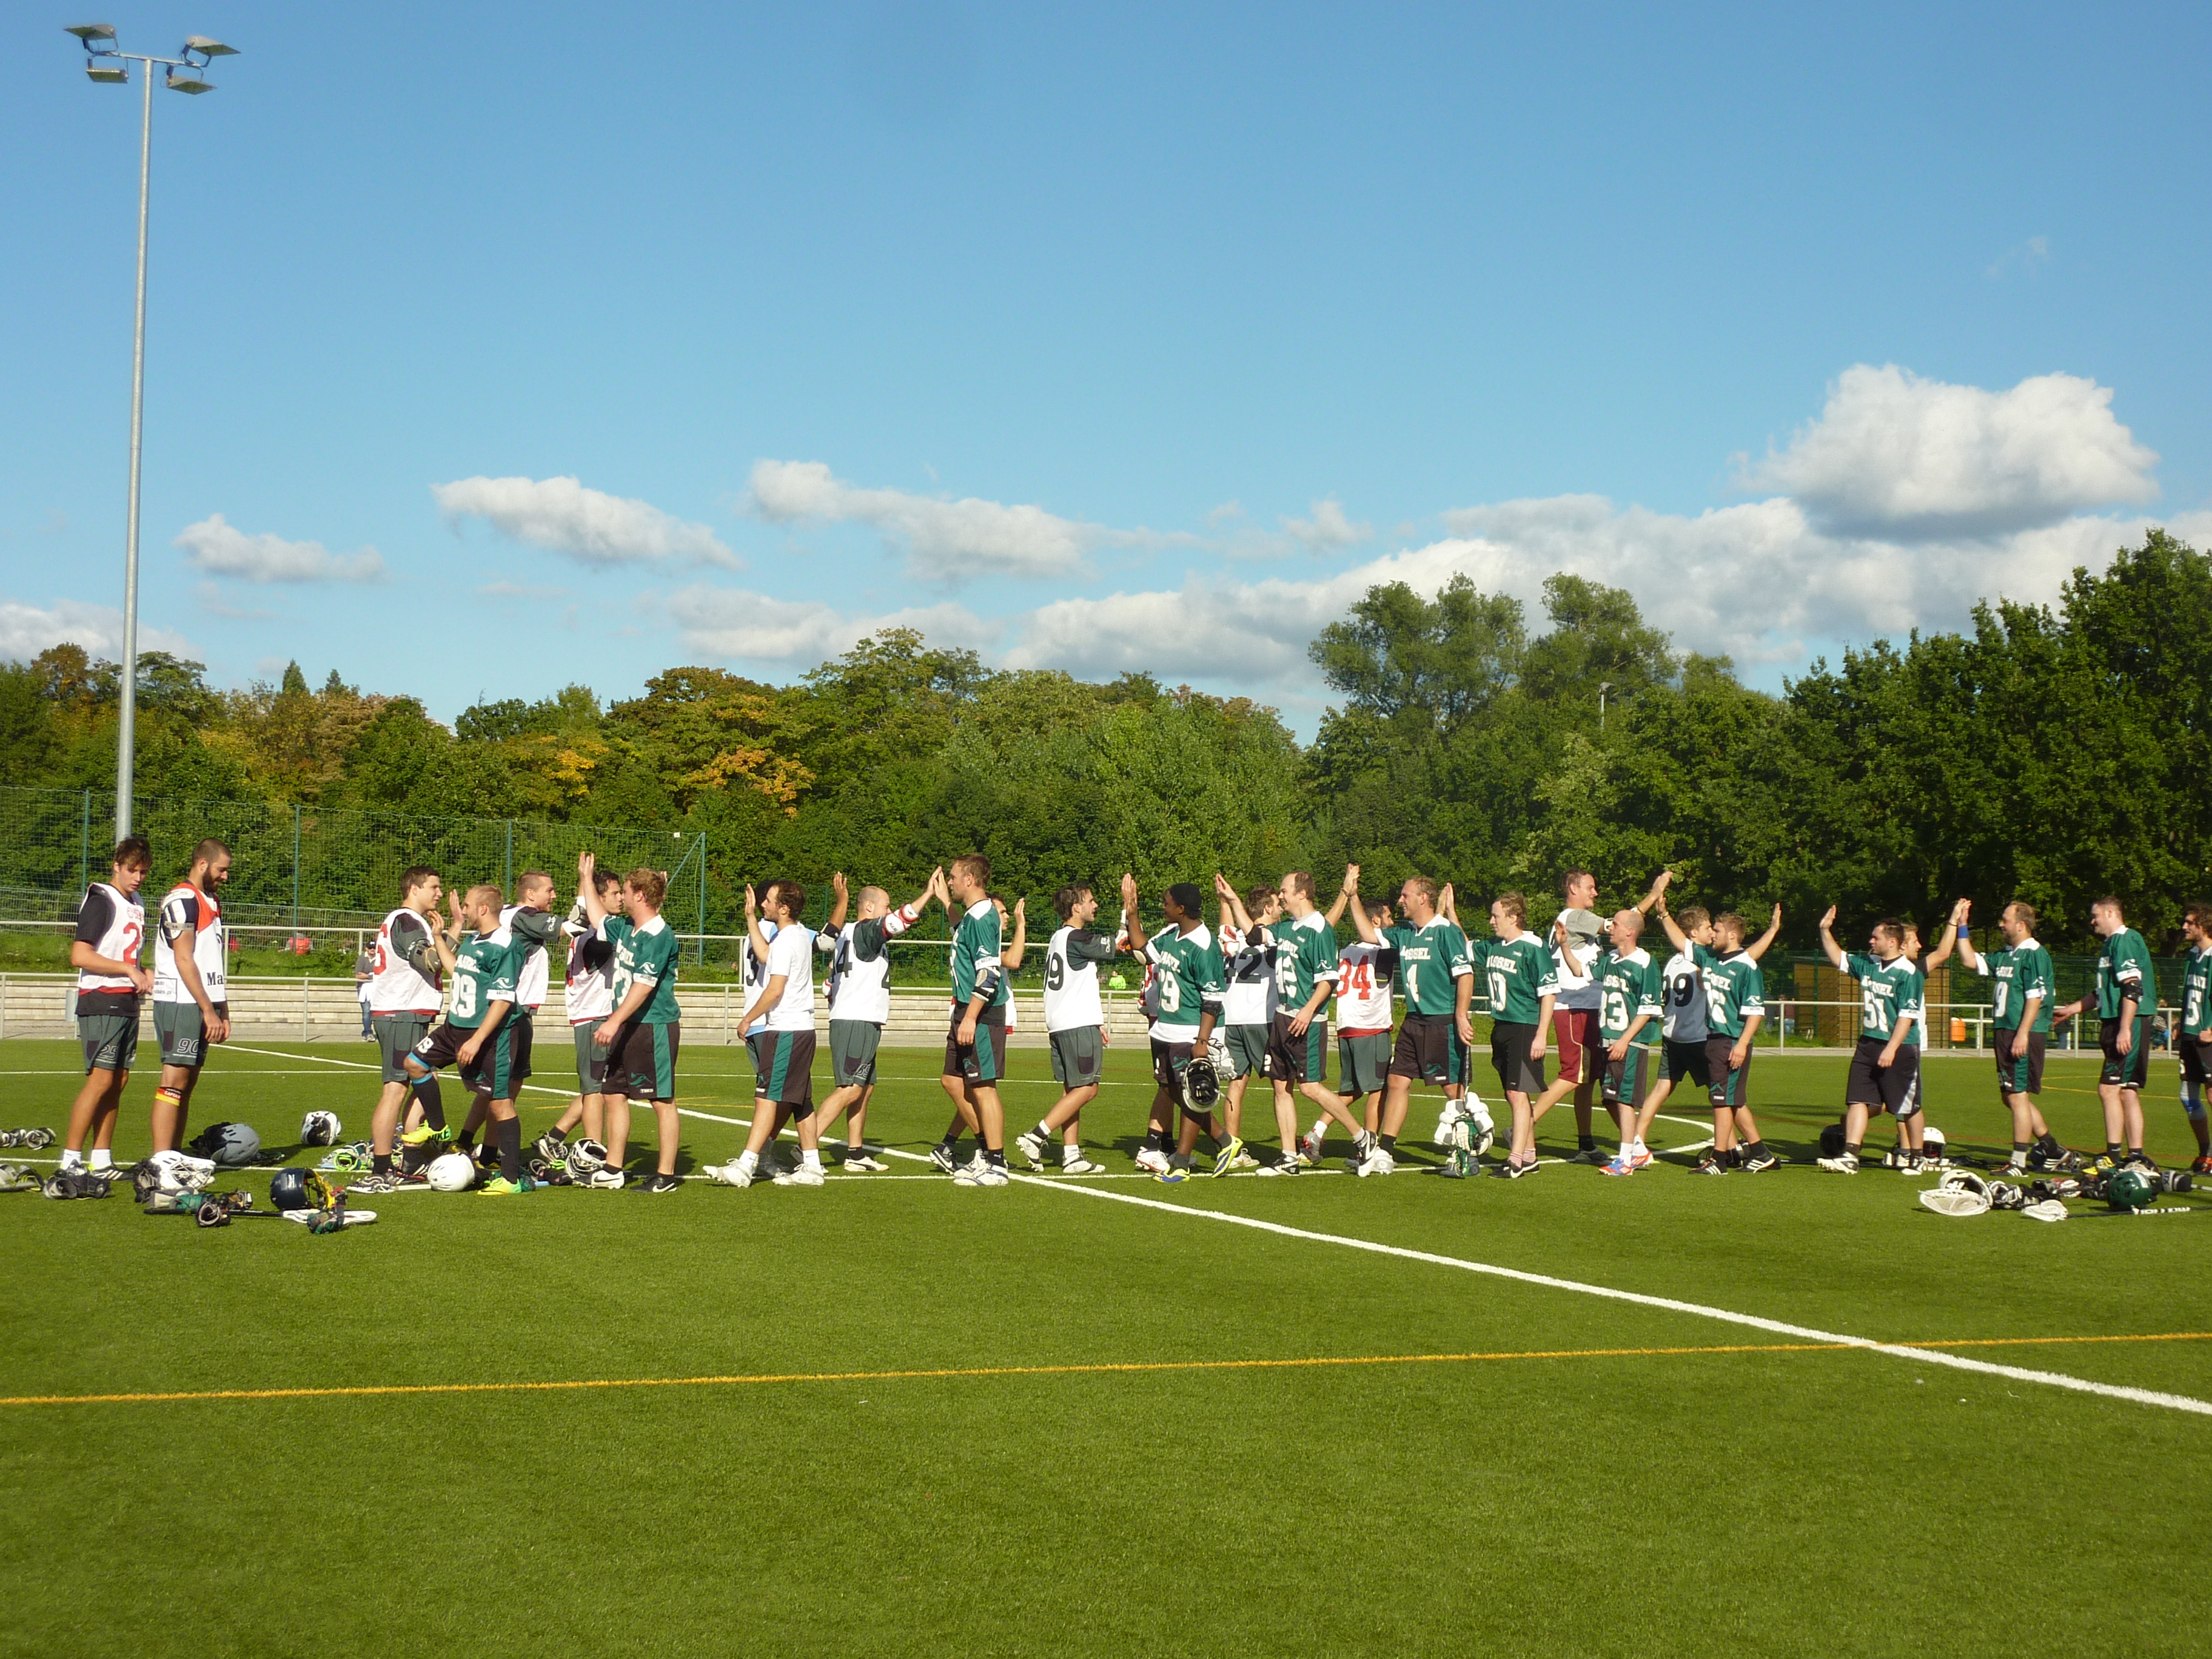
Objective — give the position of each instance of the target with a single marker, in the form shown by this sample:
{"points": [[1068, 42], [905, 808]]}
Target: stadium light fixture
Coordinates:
{"points": [[107, 64]]}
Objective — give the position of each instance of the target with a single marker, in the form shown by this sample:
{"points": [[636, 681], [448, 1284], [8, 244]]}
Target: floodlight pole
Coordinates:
{"points": [[198, 52], [127, 730]]}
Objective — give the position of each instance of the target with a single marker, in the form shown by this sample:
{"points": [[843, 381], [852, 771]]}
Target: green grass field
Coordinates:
{"points": [[1040, 1421]]}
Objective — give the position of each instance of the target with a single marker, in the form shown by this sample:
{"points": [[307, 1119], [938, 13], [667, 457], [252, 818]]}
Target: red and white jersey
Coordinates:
{"points": [[1363, 995], [590, 991], [187, 914], [114, 923], [395, 988]]}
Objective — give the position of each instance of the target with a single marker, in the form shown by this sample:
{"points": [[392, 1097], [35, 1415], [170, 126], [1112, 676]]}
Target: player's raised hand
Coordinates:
{"points": [[1960, 911], [1129, 890], [837, 885], [1021, 911], [1828, 922], [1776, 919], [1350, 878], [1660, 882], [752, 904], [1221, 886], [587, 863]]}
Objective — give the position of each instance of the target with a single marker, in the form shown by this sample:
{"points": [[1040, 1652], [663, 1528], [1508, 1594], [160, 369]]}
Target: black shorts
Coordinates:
{"points": [[501, 1064], [1168, 1061], [1429, 1050], [642, 1062], [1628, 1079], [2020, 1060], [1509, 1043], [2196, 1059], [2132, 1069], [1293, 1059], [1894, 1088], [1730, 1086], [1692, 1061], [982, 1061], [786, 1074]]}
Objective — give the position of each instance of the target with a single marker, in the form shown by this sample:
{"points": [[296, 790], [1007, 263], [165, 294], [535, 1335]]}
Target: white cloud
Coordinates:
{"points": [[222, 549], [504, 589], [26, 630], [562, 515], [2029, 255], [1896, 455], [945, 541], [1328, 529], [733, 624]]}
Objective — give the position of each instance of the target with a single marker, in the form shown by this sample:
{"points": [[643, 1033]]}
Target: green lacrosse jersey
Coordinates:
{"points": [[486, 969], [2197, 992], [646, 956], [1887, 992], [2125, 973], [1735, 991], [1189, 979], [1518, 974], [2015, 974], [1305, 957], [976, 959], [1628, 985], [1429, 960]]}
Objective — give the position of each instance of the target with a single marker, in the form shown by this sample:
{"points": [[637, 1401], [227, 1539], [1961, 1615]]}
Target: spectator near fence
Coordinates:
{"points": [[364, 969]]}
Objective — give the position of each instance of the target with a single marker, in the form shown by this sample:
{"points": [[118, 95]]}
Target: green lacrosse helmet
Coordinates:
{"points": [[2130, 1188]]}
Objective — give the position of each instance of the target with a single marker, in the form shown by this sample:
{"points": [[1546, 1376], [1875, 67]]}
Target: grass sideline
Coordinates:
{"points": [[1025, 1422]]}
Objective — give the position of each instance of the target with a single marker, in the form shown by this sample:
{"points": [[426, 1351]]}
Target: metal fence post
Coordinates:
{"points": [[702, 898], [508, 886], [84, 847]]}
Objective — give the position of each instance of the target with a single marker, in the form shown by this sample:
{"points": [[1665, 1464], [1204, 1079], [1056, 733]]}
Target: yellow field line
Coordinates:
{"points": [[1124, 1368]]}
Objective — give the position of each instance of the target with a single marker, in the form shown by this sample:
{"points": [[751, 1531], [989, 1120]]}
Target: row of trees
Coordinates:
{"points": [[2051, 754]]}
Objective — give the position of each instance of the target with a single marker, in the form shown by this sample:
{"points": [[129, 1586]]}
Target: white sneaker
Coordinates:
{"points": [[1152, 1160], [976, 1162], [1034, 1147], [1080, 1166], [1842, 1164], [606, 1181], [981, 1173], [807, 1175], [1378, 1162], [1310, 1142], [1244, 1160], [864, 1161], [731, 1174], [1288, 1166]]}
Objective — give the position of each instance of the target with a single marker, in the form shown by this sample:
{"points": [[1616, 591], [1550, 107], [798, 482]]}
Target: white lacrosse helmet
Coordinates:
{"points": [[586, 1157], [321, 1129], [181, 1172], [1961, 1192], [451, 1172]]}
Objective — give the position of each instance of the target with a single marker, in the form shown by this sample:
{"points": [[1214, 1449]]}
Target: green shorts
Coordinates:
{"points": [[395, 1035], [1248, 1049], [982, 1061], [110, 1040], [1363, 1063], [182, 1031], [591, 1057], [852, 1044], [1078, 1055], [1628, 1079]]}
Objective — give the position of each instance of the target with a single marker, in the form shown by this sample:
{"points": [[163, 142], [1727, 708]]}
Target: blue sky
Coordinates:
{"points": [[1096, 338]]}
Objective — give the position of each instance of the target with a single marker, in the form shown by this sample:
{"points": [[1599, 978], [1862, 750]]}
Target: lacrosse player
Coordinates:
{"points": [[860, 1006], [1189, 987], [1885, 1074], [1075, 1026], [1434, 968], [643, 1034], [2020, 980], [191, 1006], [2127, 984], [111, 930]]}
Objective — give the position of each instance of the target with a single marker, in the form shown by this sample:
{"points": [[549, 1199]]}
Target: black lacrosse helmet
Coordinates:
{"points": [[287, 1190], [1831, 1140], [1201, 1083]]}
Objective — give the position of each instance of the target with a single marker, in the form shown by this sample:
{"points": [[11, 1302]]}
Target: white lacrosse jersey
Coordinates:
{"points": [[114, 923], [861, 989], [1362, 994], [753, 974], [537, 970], [791, 954], [1246, 961], [189, 915], [590, 991], [396, 987], [1684, 998], [1585, 934], [1072, 1001]]}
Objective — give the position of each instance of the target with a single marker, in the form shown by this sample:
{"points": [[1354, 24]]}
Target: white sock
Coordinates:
{"points": [[1070, 1154], [71, 1160], [1321, 1128], [101, 1158], [748, 1160], [810, 1160]]}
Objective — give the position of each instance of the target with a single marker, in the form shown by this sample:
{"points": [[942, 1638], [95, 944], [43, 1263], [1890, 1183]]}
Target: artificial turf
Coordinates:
{"points": [[1774, 1498]]}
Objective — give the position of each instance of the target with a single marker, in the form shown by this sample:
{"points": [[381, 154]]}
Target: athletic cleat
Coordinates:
{"points": [[982, 1173], [1841, 1163], [551, 1147], [373, 1182], [608, 1180], [1288, 1166], [1310, 1146], [1378, 1162], [1244, 1160], [732, 1173], [1512, 1170], [1589, 1155], [1618, 1166], [942, 1157], [1152, 1160], [1754, 1165], [1172, 1176], [501, 1187], [1640, 1158], [2139, 1161], [2015, 1166], [2203, 1166], [657, 1183], [1225, 1159], [864, 1161], [1079, 1165], [1713, 1163], [804, 1175], [1034, 1147], [423, 1135]]}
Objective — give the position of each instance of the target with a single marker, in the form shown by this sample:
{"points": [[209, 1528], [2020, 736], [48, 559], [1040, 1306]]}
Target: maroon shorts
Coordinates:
{"points": [[1574, 1033]]}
